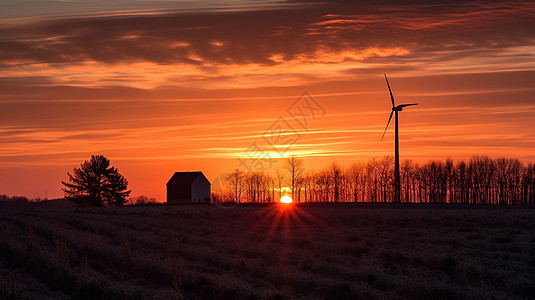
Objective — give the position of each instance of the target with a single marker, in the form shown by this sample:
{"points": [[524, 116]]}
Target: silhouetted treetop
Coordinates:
{"points": [[96, 183]]}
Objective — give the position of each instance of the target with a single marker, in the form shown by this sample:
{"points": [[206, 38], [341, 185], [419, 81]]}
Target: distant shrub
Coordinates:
{"points": [[6, 198], [142, 200]]}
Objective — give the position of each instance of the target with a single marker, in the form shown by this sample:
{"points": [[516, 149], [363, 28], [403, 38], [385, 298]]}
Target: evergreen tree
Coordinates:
{"points": [[96, 183]]}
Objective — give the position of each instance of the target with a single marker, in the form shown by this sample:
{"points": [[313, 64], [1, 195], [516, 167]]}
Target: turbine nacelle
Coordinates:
{"points": [[401, 106]]}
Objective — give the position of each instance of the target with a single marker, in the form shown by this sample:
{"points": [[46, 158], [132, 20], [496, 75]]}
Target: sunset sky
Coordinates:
{"points": [[165, 86]]}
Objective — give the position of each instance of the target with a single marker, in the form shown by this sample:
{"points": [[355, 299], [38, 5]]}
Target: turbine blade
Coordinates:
{"points": [[391, 96], [411, 104], [391, 113]]}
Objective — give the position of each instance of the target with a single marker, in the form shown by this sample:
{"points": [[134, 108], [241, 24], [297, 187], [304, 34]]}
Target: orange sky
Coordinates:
{"points": [[159, 89]]}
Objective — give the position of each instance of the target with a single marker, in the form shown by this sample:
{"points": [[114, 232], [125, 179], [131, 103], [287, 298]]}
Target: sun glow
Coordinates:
{"points": [[286, 199]]}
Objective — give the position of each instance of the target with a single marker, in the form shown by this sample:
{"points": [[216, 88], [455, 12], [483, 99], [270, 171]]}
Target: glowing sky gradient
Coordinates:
{"points": [[165, 86]]}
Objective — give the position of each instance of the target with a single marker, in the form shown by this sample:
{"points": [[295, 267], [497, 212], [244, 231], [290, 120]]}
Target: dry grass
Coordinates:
{"points": [[313, 251]]}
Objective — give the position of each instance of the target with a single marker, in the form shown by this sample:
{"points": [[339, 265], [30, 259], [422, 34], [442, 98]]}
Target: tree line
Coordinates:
{"points": [[480, 180]]}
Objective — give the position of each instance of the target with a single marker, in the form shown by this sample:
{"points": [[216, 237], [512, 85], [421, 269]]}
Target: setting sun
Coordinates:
{"points": [[286, 199]]}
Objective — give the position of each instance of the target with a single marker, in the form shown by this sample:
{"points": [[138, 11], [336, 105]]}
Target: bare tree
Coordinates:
{"points": [[299, 184], [308, 184], [322, 186], [462, 183], [407, 167], [279, 177], [335, 178], [357, 176], [258, 186], [295, 168], [236, 180], [386, 166], [372, 174], [528, 184], [269, 187]]}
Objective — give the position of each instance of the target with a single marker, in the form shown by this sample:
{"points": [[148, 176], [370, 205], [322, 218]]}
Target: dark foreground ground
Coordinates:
{"points": [[326, 251]]}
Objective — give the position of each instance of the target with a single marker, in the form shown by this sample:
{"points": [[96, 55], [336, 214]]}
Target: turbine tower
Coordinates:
{"points": [[396, 109]]}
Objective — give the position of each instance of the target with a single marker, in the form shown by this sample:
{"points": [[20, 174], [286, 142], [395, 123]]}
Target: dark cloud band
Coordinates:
{"points": [[244, 37]]}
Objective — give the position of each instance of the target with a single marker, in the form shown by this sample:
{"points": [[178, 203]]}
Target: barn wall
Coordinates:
{"points": [[200, 190], [178, 194]]}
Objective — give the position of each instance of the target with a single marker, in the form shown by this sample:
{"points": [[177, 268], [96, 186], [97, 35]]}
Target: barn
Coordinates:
{"points": [[188, 187]]}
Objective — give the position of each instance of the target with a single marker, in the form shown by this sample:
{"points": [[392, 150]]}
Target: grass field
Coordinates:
{"points": [[309, 252]]}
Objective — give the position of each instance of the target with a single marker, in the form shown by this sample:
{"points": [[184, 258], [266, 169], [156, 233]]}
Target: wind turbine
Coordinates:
{"points": [[396, 109]]}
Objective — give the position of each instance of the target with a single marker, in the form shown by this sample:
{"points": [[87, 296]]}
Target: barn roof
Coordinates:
{"points": [[185, 178]]}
